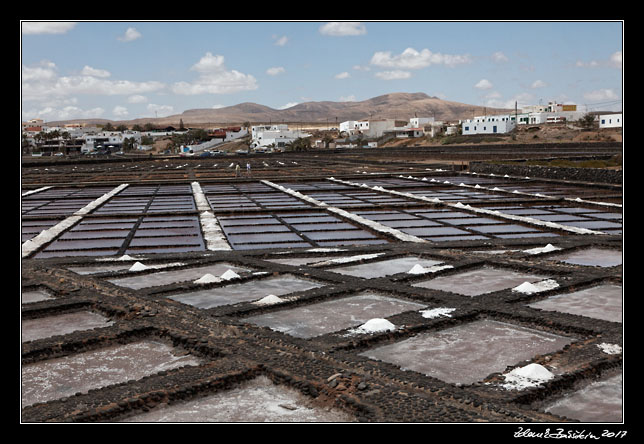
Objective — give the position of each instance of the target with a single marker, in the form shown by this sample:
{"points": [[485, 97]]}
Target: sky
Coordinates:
{"points": [[122, 70]]}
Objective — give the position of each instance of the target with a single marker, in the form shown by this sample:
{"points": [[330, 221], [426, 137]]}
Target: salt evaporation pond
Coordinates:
{"points": [[330, 316], [66, 376], [468, 353], [599, 402], [258, 400], [46, 327]]}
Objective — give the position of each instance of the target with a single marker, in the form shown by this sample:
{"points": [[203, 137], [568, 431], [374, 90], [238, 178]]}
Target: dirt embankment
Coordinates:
{"points": [[524, 135]]}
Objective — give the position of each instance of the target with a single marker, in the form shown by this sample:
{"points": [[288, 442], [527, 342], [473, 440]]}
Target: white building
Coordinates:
{"points": [[349, 127], [277, 135], [256, 130], [610, 120], [420, 122], [489, 125], [108, 139], [538, 118]]}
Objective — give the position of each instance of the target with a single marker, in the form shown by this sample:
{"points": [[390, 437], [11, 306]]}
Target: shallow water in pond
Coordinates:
{"points": [[258, 400], [62, 377], [468, 353], [330, 316]]}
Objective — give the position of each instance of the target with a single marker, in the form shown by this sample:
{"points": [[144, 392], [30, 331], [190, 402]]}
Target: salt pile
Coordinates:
{"points": [[138, 266], [375, 325], [610, 349], [230, 274], [417, 269], [437, 313], [529, 376], [548, 248], [528, 288], [268, 300], [207, 279]]}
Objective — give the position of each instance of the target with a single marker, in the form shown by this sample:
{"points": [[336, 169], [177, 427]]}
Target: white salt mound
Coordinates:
{"points": [[270, 299], [611, 349], [529, 288], [437, 312], [138, 266], [207, 278], [528, 376], [417, 269], [548, 248], [375, 325], [230, 274]]}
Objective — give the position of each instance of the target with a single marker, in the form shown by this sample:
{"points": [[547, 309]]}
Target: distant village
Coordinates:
{"points": [[40, 139]]}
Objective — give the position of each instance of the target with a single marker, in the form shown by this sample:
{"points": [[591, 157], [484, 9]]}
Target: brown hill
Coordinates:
{"points": [[400, 106]]}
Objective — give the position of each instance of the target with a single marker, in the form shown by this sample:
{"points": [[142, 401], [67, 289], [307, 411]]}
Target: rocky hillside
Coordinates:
{"points": [[400, 106]]}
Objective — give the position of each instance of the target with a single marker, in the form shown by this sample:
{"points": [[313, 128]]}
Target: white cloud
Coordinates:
{"points": [[393, 75], [499, 57], [613, 61], [209, 63], [413, 59], [130, 35], [42, 82], [35, 28], [493, 95], [120, 111], [93, 72], [342, 29], [137, 98], [44, 71], [523, 99], [538, 84], [280, 41], [288, 105], [160, 110], [275, 71], [350, 98], [601, 95], [483, 84], [343, 75], [215, 78], [64, 113]]}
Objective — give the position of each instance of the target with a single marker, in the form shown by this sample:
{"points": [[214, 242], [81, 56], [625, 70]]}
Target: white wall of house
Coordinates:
{"points": [[376, 128], [256, 130], [610, 120], [348, 126], [232, 135], [279, 135], [489, 125], [419, 122]]}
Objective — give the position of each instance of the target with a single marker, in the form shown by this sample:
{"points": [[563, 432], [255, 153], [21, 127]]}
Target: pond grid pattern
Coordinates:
{"points": [[298, 293], [252, 215]]}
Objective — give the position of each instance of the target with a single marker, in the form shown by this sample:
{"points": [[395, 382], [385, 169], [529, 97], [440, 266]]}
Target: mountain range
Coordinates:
{"points": [[401, 106]]}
